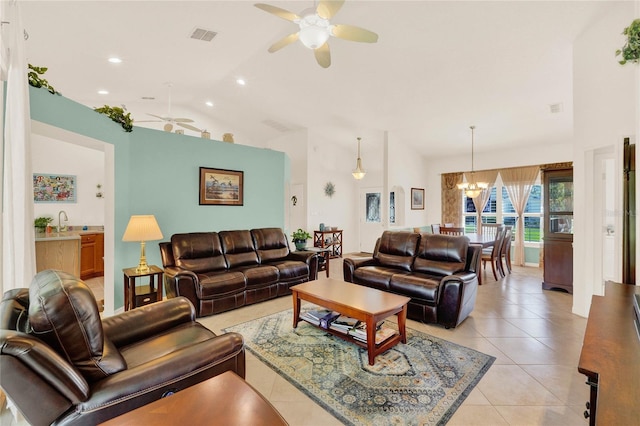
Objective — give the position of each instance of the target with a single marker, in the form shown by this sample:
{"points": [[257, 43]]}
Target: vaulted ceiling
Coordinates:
{"points": [[438, 67]]}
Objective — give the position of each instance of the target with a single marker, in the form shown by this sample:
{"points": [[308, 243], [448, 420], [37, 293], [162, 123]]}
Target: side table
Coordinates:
{"points": [[325, 253], [154, 294]]}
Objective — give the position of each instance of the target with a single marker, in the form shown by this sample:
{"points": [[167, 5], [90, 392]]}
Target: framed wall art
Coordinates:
{"points": [[54, 188], [417, 198], [219, 187]]}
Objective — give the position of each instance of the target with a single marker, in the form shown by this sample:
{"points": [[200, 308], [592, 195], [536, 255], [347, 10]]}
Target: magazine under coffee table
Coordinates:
{"points": [[359, 302]]}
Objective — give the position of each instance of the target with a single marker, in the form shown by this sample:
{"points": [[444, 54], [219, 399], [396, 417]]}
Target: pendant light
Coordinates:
{"points": [[471, 188], [359, 172]]}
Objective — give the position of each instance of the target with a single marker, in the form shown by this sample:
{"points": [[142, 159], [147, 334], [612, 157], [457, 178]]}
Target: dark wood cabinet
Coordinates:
{"points": [[558, 230], [91, 255], [329, 239]]}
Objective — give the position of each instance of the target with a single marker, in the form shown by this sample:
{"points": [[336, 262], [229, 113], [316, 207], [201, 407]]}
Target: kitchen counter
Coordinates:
{"points": [[78, 251], [66, 235]]}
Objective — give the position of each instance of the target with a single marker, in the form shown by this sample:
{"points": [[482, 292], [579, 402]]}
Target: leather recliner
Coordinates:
{"points": [[61, 364]]}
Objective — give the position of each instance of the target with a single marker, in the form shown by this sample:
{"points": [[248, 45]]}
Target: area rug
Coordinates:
{"points": [[422, 382]]}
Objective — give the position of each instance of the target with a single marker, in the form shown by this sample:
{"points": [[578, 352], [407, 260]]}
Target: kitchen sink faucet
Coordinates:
{"points": [[66, 219]]}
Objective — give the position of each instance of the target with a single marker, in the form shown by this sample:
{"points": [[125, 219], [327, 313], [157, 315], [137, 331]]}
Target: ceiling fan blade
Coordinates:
{"points": [[157, 116], [190, 127], [182, 120], [353, 33], [283, 42], [280, 13], [328, 8], [323, 55]]}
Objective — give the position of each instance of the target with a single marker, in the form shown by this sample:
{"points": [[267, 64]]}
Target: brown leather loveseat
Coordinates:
{"points": [[438, 273], [60, 364], [220, 271]]}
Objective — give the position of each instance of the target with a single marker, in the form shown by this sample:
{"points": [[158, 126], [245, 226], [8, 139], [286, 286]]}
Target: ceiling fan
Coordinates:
{"points": [[170, 121], [315, 28]]}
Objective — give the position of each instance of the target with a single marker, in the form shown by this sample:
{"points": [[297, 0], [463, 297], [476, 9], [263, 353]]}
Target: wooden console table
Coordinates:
{"points": [[610, 357], [329, 239]]}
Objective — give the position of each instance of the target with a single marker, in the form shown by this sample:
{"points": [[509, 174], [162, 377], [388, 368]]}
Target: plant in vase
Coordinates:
{"points": [[40, 223], [300, 238]]}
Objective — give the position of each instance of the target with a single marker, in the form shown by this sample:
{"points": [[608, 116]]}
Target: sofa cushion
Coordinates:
{"points": [[271, 244], [238, 248], [64, 313], [441, 254], [416, 286], [259, 275], [374, 276], [396, 249], [198, 251], [291, 270], [216, 284]]}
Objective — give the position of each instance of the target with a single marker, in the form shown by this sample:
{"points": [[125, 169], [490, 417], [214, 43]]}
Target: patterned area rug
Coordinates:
{"points": [[419, 383]]}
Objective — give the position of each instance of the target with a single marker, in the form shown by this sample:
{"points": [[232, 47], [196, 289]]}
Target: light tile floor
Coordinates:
{"points": [[532, 333]]}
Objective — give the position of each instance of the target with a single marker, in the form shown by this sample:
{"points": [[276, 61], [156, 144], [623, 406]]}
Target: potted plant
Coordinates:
{"points": [[631, 49], [41, 223], [300, 238]]}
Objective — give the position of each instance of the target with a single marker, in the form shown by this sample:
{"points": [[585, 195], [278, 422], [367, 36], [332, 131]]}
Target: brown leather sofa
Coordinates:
{"points": [[438, 273], [220, 271], [60, 364]]}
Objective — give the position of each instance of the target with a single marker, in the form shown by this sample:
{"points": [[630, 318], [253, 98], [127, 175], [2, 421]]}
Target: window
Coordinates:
{"points": [[499, 209]]}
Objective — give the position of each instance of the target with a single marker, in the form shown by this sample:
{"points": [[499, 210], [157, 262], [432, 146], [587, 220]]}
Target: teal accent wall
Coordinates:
{"points": [[158, 173]]}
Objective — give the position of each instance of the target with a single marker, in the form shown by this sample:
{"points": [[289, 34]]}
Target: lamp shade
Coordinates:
{"points": [[142, 228]]}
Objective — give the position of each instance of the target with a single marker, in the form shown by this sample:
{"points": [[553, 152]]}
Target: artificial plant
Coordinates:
{"points": [[631, 50], [118, 115], [36, 80]]}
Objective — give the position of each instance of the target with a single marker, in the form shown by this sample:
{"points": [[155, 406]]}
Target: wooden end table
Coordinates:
{"points": [[225, 399], [359, 302], [155, 291], [326, 253]]}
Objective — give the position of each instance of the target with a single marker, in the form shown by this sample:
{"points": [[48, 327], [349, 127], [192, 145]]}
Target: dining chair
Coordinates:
{"points": [[447, 225], [505, 250], [490, 228], [435, 228], [451, 230], [492, 254]]}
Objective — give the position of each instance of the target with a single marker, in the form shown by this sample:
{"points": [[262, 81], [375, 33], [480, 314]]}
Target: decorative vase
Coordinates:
{"points": [[300, 245], [321, 227]]}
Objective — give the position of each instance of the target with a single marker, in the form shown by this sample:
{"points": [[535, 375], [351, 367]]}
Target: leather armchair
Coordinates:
{"points": [[60, 363]]}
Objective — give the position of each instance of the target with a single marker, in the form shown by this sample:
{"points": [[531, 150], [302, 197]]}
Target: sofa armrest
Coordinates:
{"points": [[457, 291], [148, 320], [308, 257], [474, 257], [38, 366], [349, 265]]}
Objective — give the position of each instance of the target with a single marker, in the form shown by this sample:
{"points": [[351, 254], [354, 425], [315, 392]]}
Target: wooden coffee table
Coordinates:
{"points": [[225, 399], [359, 302]]}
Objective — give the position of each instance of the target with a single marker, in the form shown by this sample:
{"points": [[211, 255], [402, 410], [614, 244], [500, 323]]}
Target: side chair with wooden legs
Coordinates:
{"points": [[505, 252], [492, 254]]}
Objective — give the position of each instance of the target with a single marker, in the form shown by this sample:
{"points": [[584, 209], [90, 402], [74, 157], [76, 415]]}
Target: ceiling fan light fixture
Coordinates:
{"points": [[314, 30]]}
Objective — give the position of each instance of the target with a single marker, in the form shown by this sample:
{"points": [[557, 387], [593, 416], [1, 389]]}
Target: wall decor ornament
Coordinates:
{"points": [[417, 198], [54, 188], [329, 189], [221, 187]]}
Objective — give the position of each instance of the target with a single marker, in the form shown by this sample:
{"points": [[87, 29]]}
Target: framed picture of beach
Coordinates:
{"points": [[219, 187]]}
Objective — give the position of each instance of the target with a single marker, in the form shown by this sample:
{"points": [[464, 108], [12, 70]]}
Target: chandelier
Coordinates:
{"points": [[471, 188], [359, 172]]}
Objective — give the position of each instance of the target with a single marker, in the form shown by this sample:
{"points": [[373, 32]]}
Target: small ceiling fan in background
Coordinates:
{"points": [[315, 28], [169, 120]]}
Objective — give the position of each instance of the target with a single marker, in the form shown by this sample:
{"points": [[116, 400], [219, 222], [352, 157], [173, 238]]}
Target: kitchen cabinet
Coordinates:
{"points": [[60, 254], [91, 254]]}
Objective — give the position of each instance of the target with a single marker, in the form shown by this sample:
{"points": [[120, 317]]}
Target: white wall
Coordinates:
{"points": [[605, 111], [52, 156]]}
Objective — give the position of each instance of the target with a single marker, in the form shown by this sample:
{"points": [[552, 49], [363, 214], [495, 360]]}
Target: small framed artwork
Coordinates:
{"points": [[417, 198], [219, 187], [54, 188]]}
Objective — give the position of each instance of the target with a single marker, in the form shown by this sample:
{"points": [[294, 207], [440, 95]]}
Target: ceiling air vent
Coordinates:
{"points": [[555, 108], [202, 34]]}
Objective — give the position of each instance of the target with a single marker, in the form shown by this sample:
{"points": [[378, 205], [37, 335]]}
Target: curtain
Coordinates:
{"points": [[519, 182], [480, 202], [18, 234], [451, 198]]}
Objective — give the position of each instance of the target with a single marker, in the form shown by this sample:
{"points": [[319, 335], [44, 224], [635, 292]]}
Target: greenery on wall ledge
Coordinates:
{"points": [[631, 50], [36, 80], [118, 115]]}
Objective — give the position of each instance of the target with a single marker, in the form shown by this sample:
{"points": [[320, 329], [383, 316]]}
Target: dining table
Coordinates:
{"points": [[485, 240]]}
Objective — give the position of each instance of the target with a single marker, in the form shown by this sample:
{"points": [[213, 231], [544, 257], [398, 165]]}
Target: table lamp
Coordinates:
{"points": [[142, 228]]}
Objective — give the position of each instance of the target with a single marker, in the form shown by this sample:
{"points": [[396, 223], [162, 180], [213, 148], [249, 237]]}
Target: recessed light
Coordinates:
{"points": [[103, 92], [241, 81], [114, 60], [209, 103]]}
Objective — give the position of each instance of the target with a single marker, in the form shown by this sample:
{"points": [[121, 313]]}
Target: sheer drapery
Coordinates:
{"points": [[489, 177], [451, 198], [519, 182], [18, 235]]}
